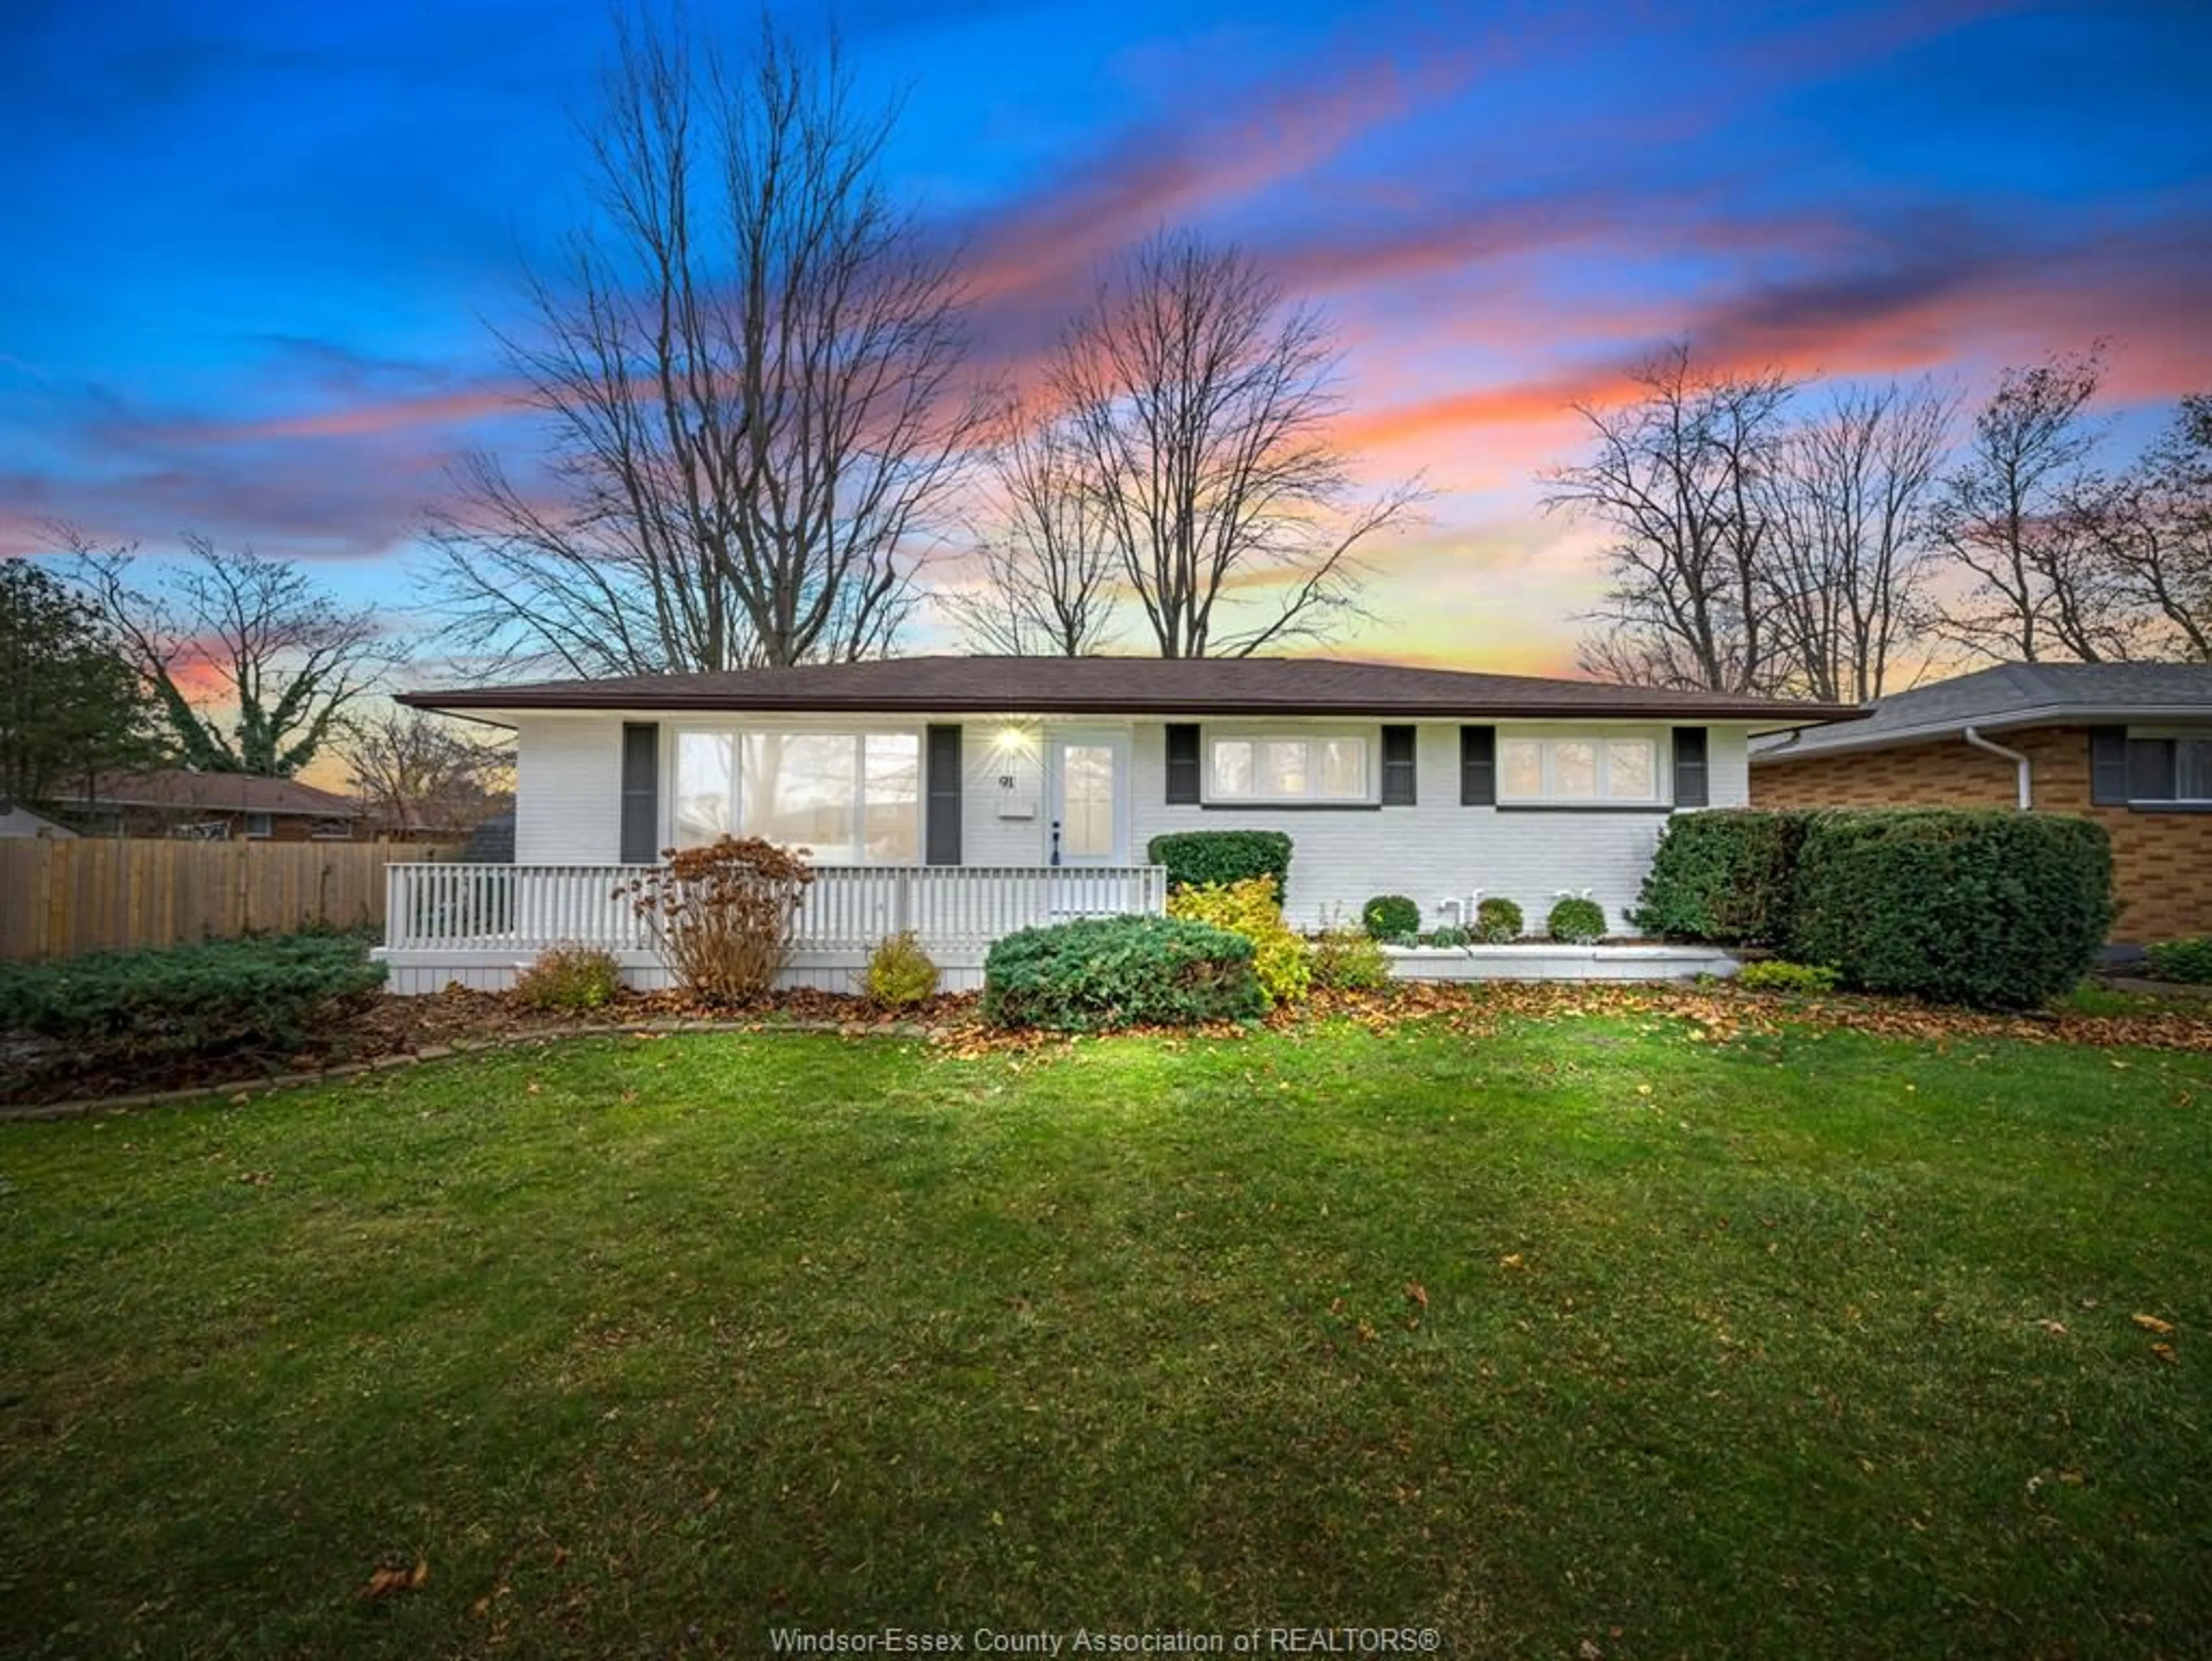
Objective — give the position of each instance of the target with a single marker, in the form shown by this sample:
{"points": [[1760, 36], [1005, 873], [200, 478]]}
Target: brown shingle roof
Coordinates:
{"points": [[1126, 686], [180, 788]]}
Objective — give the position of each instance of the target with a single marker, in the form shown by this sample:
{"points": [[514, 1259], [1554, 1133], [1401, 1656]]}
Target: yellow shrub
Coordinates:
{"points": [[1251, 908]]}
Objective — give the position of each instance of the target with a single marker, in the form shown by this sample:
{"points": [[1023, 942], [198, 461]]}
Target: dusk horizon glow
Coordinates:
{"points": [[262, 249]]}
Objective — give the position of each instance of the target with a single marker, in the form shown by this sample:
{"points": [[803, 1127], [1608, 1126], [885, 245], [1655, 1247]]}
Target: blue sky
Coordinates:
{"points": [[253, 248]]}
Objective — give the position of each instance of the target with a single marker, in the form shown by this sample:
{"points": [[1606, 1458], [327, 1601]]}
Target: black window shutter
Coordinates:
{"points": [[2150, 771], [2108, 766], [1478, 766], [641, 792], [1398, 768], [1690, 789], [1182, 762], [941, 829]]}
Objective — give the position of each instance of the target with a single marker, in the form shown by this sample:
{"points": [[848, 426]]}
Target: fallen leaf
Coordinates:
{"points": [[1417, 1293], [2164, 1352], [2152, 1324], [387, 1581]]}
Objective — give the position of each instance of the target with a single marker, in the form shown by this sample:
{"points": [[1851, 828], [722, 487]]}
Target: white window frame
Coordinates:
{"points": [[1548, 793], [1370, 740], [267, 822], [672, 771]]}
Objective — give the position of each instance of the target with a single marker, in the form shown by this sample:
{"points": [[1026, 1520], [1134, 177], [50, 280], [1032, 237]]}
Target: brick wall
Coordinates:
{"points": [[2162, 862]]}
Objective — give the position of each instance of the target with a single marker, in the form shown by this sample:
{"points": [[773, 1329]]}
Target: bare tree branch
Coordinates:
{"points": [[237, 635], [1680, 478], [1047, 588], [1195, 402], [751, 369], [417, 772]]}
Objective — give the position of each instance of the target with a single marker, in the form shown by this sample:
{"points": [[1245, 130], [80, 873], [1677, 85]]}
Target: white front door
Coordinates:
{"points": [[1090, 799]]}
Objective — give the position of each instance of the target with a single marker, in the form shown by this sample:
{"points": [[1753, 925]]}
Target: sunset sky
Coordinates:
{"points": [[253, 248]]}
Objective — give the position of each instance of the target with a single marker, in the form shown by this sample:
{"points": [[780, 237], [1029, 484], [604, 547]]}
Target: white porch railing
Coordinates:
{"points": [[849, 908]]}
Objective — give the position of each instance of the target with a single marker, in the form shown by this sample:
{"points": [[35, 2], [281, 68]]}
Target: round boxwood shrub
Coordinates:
{"points": [[1497, 921], [1575, 922], [1390, 917], [1725, 876], [1201, 858], [1974, 906], [1101, 972]]}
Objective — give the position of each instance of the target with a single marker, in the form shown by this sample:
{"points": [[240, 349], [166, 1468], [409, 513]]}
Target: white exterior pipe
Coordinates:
{"points": [[2019, 766]]}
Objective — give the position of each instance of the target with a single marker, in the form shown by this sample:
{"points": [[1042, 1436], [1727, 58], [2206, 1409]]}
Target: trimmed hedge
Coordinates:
{"points": [[1498, 921], [1974, 906], [1723, 876], [2187, 960], [261, 995], [1102, 972], [1203, 859]]}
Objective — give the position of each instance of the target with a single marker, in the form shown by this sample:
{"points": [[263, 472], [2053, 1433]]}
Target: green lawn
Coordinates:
{"points": [[1816, 1345]]}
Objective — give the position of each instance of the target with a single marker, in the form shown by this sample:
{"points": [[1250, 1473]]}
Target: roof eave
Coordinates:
{"points": [[1850, 743]]}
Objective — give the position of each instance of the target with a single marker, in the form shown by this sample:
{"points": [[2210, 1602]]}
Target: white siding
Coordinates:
{"points": [[567, 811], [568, 790]]}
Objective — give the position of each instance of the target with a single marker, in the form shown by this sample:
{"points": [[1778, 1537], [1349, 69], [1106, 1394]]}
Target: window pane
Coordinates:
{"points": [[797, 788], [1288, 772], [1522, 760], [1232, 767], [1574, 768], [2151, 770], [1086, 826], [1344, 768], [2192, 769], [893, 807], [1630, 766], [703, 788]]}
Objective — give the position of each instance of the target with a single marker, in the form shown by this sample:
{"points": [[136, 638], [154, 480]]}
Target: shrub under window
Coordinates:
{"points": [[1391, 917], [1725, 875], [1575, 922], [1196, 858]]}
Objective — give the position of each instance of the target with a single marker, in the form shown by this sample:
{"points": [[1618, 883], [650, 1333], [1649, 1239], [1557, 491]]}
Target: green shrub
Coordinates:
{"points": [[261, 996], [2183, 960], [1773, 974], [1103, 972], [1201, 858], [1575, 922], [1451, 934], [900, 973], [1348, 960], [1251, 908], [1498, 921], [1725, 876], [574, 978], [1391, 917], [1974, 906]]}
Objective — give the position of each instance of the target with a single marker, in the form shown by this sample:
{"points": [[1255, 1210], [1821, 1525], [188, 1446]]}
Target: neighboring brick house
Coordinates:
{"points": [[176, 802], [2127, 745]]}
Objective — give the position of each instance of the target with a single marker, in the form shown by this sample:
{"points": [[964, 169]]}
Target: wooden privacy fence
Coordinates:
{"points": [[59, 898]]}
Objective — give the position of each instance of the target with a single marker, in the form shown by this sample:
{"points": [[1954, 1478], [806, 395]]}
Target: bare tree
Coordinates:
{"points": [[251, 664], [1848, 554], [1196, 402], [1680, 478], [2153, 530], [421, 773], [751, 369], [1046, 582], [2021, 519]]}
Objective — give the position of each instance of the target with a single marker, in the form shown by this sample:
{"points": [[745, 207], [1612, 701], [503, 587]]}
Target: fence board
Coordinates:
{"points": [[60, 897]]}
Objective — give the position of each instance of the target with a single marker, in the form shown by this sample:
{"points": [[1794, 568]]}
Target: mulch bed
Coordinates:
{"points": [[391, 1030]]}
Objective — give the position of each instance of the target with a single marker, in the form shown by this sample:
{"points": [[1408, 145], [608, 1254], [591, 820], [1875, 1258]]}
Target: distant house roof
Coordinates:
{"points": [[1126, 686], [17, 820], [2012, 696], [180, 790]]}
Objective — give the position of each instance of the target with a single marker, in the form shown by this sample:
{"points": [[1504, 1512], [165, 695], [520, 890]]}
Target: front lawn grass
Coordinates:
{"points": [[1584, 1339]]}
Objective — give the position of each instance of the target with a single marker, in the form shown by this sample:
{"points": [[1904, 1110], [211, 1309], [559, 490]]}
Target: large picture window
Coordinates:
{"points": [[1569, 771], [848, 798], [1259, 769]]}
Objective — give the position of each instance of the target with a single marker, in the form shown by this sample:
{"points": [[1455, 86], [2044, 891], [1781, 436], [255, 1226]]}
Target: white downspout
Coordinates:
{"points": [[2020, 763]]}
